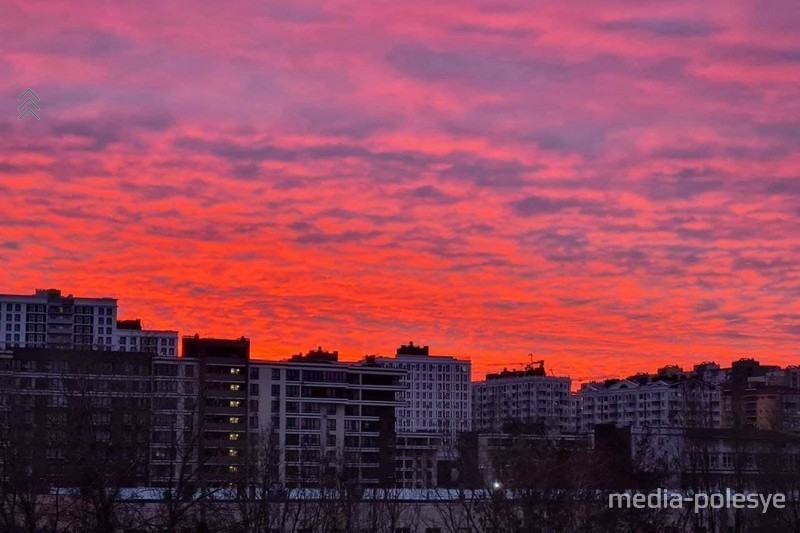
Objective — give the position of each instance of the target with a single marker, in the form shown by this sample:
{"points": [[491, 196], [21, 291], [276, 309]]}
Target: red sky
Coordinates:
{"points": [[611, 186]]}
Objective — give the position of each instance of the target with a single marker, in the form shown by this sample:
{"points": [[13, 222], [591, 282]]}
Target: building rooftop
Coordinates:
{"points": [[410, 349]]}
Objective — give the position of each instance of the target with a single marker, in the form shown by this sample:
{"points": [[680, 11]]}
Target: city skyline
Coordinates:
{"points": [[606, 186], [113, 330]]}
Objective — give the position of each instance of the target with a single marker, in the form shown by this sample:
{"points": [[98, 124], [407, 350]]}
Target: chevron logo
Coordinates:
{"points": [[29, 105]]}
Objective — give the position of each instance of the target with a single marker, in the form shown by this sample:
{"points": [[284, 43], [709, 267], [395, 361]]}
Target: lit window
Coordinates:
{"points": [[233, 436], [236, 371], [235, 387], [234, 420], [235, 403], [233, 469], [233, 453]]}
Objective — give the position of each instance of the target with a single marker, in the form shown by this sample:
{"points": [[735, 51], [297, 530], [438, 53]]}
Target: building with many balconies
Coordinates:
{"points": [[528, 397], [332, 421]]}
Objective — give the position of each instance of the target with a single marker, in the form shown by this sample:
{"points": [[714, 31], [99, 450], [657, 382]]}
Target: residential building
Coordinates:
{"points": [[436, 391], [638, 401], [529, 397], [64, 416], [130, 337], [422, 459], [761, 406], [223, 367], [47, 319], [332, 421], [62, 410], [177, 435], [436, 409]]}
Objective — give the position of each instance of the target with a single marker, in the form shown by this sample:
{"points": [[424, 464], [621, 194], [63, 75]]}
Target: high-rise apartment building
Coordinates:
{"points": [[223, 367], [529, 397], [436, 392], [331, 421], [176, 435], [48, 319]]}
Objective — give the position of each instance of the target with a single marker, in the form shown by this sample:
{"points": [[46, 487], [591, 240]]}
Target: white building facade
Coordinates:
{"points": [[659, 403], [437, 392], [524, 396], [49, 319], [46, 319], [131, 337]]}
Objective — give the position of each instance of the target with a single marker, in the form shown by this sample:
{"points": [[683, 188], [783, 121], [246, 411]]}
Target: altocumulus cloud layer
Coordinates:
{"points": [[610, 185]]}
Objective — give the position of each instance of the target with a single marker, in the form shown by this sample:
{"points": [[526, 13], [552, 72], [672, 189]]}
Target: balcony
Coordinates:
{"points": [[61, 318], [225, 410], [241, 427]]}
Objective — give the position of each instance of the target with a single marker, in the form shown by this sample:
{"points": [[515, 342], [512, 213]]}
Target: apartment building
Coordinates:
{"points": [[176, 435], [526, 397], [648, 401], [63, 415], [130, 337], [223, 368], [63, 410], [436, 395], [47, 319], [436, 391], [332, 421]]}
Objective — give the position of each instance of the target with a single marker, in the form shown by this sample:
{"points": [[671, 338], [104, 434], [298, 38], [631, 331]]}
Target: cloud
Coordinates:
{"points": [[663, 27], [497, 176]]}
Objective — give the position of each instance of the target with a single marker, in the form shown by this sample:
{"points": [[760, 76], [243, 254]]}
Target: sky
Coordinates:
{"points": [[609, 186]]}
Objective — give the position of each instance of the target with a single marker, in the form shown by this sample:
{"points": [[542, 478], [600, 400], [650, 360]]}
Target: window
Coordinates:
{"points": [[233, 436], [253, 373], [234, 403], [254, 389], [235, 387]]}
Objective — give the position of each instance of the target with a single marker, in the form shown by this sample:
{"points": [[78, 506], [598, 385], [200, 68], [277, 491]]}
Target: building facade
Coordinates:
{"points": [[528, 397], [223, 368], [332, 422], [130, 337], [682, 402], [436, 391], [47, 319], [66, 417]]}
